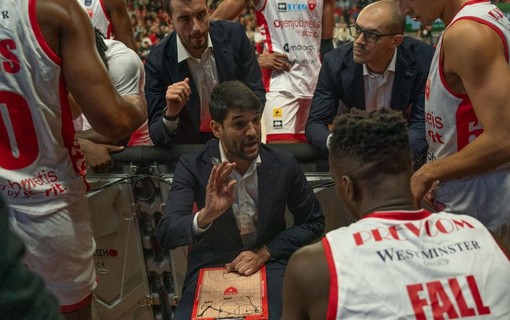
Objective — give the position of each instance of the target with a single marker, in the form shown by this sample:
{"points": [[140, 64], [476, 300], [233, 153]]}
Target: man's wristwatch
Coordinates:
{"points": [[174, 118]]}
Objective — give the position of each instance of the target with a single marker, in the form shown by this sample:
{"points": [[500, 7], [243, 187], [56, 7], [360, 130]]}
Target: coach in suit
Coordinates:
{"points": [[184, 67], [380, 69], [241, 188]]}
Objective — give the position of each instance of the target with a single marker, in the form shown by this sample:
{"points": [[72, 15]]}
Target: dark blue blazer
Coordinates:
{"points": [[235, 60], [341, 79], [281, 183]]}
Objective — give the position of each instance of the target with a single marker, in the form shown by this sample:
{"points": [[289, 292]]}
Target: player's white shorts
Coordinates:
{"points": [[60, 248], [285, 116], [485, 197]]}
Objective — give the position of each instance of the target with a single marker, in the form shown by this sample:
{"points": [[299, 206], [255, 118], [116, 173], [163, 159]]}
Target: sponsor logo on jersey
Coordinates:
{"points": [[277, 112], [312, 4], [277, 124], [292, 7], [289, 48]]}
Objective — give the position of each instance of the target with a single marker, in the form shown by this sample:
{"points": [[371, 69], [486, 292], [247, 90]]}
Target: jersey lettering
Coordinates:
{"points": [[440, 300], [6, 47], [17, 131]]}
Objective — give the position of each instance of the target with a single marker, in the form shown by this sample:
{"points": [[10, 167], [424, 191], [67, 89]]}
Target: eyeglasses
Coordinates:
{"points": [[370, 36]]}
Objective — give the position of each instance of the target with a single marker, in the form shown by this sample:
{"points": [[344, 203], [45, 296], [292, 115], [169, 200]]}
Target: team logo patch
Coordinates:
{"points": [[277, 112], [312, 4], [277, 124]]}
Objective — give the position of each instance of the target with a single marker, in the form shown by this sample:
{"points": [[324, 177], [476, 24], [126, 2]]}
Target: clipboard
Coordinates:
{"points": [[222, 296]]}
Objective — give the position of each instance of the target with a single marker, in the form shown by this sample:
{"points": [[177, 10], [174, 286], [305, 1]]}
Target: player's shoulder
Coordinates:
{"points": [[310, 257]]}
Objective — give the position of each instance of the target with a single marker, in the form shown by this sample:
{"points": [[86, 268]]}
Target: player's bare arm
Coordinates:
{"points": [[230, 9], [474, 63], [106, 111], [328, 20], [122, 27]]}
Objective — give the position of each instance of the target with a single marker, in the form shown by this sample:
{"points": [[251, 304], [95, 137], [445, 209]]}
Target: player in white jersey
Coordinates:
{"points": [[128, 77], [112, 19], [395, 262], [41, 167], [291, 60], [467, 110]]}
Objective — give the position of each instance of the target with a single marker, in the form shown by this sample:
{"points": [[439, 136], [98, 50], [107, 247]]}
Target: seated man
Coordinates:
{"points": [[379, 69], [396, 261], [242, 188]]}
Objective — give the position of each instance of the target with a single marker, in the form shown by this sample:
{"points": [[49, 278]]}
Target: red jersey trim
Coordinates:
{"points": [[472, 2], [399, 215], [333, 281], [286, 136], [38, 33], [76, 306], [110, 25]]}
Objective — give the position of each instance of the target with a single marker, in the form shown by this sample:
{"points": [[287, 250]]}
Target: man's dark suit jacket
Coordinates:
{"points": [[235, 60], [281, 183], [341, 78]]}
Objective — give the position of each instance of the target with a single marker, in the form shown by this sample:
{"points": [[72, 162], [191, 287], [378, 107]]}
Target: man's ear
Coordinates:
{"points": [[217, 129], [397, 40], [168, 20], [348, 188]]}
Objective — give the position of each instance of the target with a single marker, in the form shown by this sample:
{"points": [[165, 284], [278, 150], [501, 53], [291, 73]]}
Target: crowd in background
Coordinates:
{"points": [[150, 27]]}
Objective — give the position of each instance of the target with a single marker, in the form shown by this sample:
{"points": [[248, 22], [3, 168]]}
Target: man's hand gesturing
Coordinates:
{"points": [[219, 193]]}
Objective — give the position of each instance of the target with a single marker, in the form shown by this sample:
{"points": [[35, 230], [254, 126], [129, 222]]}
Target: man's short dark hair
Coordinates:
{"points": [[231, 94], [168, 6], [371, 143]]}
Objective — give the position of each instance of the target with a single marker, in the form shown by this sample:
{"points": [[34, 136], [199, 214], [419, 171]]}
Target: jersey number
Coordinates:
{"points": [[19, 146]]}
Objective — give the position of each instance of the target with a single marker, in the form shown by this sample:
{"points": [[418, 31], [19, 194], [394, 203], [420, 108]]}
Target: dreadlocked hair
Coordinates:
{"points": [[101, 46], [371, 142]]}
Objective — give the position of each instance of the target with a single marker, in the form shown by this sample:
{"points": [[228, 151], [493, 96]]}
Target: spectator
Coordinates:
{"points": [[342, 34], [467, 110], [290, 61], [395, 262], [185, 66], [42, 167], [242, 201], [380, 69]]}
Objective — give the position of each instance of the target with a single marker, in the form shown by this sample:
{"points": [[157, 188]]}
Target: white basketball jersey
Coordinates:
{"points": [[451, 124], [293, 28], [450, 120], [41, 164], [416, 265], [99, 16]]}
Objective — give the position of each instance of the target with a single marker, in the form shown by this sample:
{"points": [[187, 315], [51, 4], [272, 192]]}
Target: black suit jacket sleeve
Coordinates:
{"points": [[304, 206], [328, 93]]}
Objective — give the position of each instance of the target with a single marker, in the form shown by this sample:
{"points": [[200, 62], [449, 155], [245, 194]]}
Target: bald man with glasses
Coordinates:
{"points": [[380, 69]]}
